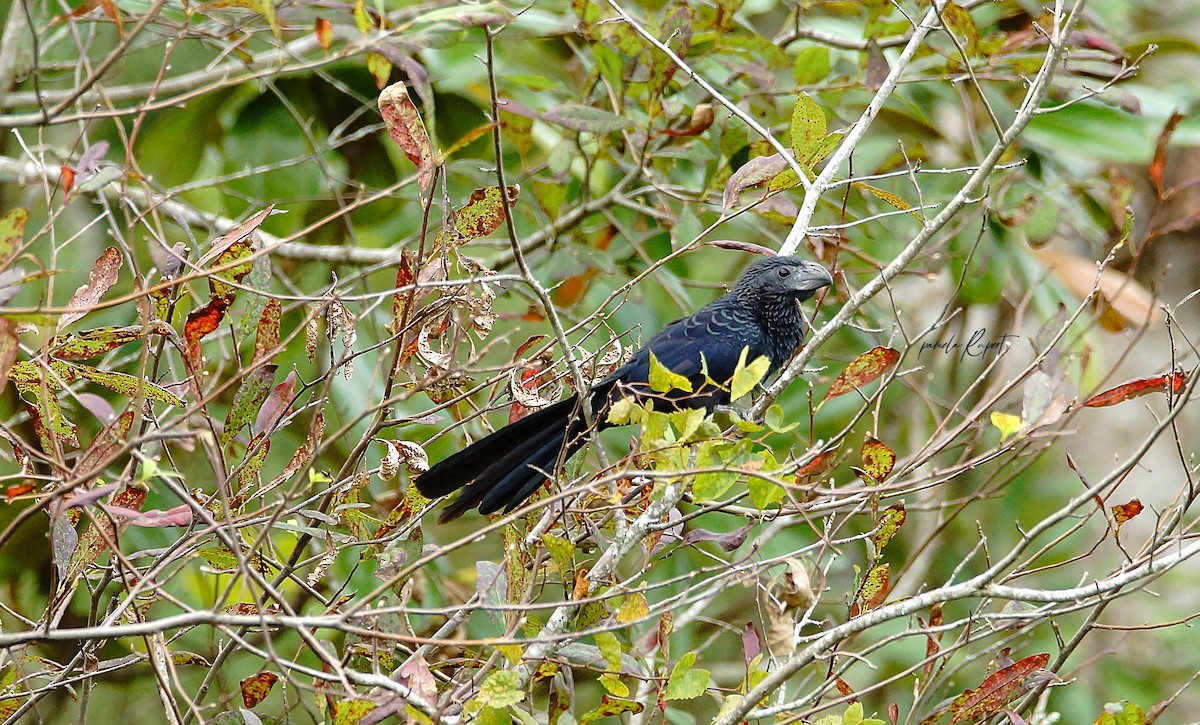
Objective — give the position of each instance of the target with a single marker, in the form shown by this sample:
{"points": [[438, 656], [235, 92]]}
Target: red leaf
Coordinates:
{"points": [[1159, 165], [1174, 382], [275, 405], [1126, 511], [199, 323], [68, 179], [256, 688], [324, 31], [406, 128], [996, 691], [817, 466], [19, 489], [863, 370]]}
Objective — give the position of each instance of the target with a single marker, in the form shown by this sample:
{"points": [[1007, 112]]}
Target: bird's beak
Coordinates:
{"points": [[812, 278]]}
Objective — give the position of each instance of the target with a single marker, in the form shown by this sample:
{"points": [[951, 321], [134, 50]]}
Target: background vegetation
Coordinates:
{"points": [[246, 298]]}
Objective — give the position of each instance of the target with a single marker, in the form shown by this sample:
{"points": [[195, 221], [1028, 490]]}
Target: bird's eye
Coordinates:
{"points": [[784, 271]]}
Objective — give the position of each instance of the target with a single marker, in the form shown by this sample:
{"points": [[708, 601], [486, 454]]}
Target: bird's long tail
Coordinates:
{"points": [[505, 468]]}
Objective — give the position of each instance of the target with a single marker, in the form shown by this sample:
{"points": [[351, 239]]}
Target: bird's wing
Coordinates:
{"points": [[713, 337]]}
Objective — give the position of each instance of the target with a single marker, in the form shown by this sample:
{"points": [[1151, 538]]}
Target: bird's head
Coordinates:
{"points": [[783, 277]]}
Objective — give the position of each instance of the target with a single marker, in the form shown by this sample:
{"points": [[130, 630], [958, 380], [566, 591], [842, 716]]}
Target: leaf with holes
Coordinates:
{"points": [[483, 213], [100, 279]]}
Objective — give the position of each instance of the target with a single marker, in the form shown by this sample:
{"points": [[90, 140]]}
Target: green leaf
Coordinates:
{"points": [[12, 230], [633, 608], [562, 552], [499, 690], [775, 420], [249, 398], [663, 380], [610, 650], [745, 377], [626, 411], [1121, 713], [808, 128], [685, 682], [812, 65], [575, 117], [764, 493], [128, 385]]}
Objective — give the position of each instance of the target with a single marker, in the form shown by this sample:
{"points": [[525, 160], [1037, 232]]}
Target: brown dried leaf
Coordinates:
{"points": [[1130, 300], [863, 370], [102, 276], [266, 338], [1158, 165], [754, 172]]}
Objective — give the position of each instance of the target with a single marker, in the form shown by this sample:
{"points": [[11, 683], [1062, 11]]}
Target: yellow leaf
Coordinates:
{"points": [[1007, 424], [745, 377]]}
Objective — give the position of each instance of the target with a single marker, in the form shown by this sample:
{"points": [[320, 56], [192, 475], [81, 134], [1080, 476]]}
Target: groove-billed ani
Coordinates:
{"points": [[761, 314]]}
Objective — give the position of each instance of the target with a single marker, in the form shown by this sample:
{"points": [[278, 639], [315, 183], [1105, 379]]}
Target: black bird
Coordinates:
{"points": [[761, 314]]}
